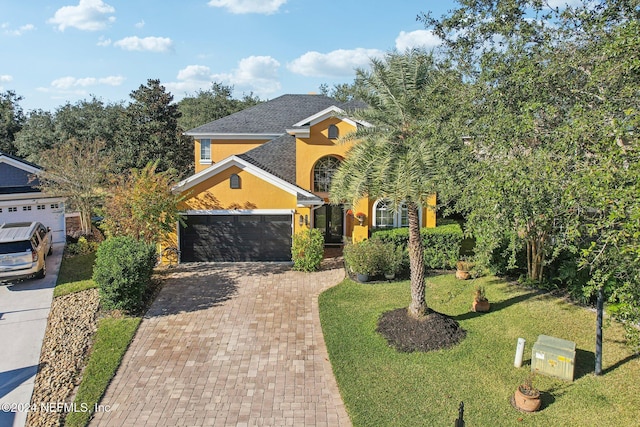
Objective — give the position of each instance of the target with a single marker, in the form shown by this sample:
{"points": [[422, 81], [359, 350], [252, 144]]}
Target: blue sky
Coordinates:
{"points": [[55, 52]]}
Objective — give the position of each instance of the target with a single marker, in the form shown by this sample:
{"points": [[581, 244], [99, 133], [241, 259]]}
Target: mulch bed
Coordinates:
{"points": [[433, 332]]}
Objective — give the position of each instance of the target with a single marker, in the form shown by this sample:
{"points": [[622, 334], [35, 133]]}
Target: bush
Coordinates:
{"points": [[441, 244], [366, 257], [82, 247], [393, 258], [123, 272], [307, 250]]}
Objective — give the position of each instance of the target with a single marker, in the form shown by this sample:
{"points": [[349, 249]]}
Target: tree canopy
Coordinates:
{"points": [[11, 121], [395, 158], [555, 100]]}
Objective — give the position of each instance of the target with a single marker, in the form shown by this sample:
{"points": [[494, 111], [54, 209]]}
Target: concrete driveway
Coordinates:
{"points": [[24, 309], [229, 345]]}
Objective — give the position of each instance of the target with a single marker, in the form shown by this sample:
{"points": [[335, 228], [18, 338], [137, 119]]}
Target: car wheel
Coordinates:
{"points": [[42, 273]]}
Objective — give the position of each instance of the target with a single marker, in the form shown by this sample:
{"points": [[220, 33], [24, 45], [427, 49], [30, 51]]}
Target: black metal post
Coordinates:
{"points": [[460, 420], [599, 309]]}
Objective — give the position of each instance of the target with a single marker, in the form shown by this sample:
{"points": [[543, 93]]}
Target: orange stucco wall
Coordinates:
{"points": [[223, 148], [254, 193], [309, 150]]}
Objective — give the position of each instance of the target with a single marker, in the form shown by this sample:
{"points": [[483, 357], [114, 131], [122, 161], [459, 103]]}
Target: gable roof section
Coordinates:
{"points": [[270, 119], [303, 196], [15, 175], [278, 157]]}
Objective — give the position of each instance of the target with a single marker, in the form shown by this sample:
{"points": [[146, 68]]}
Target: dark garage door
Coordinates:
{"points": [[236, 238]]}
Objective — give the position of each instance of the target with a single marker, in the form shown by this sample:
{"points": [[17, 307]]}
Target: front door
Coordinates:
{"points": [[329, 219]]}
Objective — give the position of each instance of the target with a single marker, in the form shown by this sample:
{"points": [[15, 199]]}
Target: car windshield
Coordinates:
{"points": [[15, 247]]}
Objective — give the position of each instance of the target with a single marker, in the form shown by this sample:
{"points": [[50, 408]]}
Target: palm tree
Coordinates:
{"points": [[394, 159]]}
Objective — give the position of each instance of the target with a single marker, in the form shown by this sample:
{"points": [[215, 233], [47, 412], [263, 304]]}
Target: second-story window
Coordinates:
{"points": [[333, 132], [205, 150], [323, 173], [234, 181]]}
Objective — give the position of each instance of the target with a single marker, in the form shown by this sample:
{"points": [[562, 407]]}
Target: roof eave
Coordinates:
{"points": [[233, 136]]}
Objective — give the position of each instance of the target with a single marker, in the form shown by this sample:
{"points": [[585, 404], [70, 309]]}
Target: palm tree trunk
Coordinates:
{"points": [[418, 306]]}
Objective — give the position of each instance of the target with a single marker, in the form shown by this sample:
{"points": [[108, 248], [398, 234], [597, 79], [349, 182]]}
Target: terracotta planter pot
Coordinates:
{"points": [[480, 306], [527, 402], [462, 275]]}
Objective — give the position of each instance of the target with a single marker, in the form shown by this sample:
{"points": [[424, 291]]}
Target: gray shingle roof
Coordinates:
{"points": [[277, 157], [271, 117], [274, 117]]}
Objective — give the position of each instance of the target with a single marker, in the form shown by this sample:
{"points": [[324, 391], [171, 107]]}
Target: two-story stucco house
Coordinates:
{"points": [[263, 174]]}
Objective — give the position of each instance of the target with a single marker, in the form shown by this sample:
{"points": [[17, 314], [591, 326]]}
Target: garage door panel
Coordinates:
{"points": [[236, 238]]}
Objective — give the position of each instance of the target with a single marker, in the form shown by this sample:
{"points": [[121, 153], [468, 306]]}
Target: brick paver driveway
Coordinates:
{"points": [[229, 345]]}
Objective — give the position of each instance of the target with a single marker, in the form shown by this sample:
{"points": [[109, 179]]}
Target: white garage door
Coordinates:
{"points": [[50, 213]]}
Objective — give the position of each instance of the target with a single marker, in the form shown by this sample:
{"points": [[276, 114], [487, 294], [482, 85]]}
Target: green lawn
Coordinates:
{"points": [[382, 387], [75, 275], [110, 342]]}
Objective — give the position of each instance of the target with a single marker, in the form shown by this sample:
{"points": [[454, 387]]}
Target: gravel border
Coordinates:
{"points": [[71, 326]]}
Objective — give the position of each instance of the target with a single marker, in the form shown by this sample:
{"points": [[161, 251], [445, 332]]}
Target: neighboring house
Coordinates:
{"points": [[22, 201], [263, 174]]}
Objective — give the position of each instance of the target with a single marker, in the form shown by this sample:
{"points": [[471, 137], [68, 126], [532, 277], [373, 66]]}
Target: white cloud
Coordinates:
{"points": [[339, 63], [89, 15], [416, 39], [5, 78], [140, 24], [150, 44], [266, 7], [18, 32], [111, 80], [195, 72], [104, 42], [257, 74], [69, 82]]}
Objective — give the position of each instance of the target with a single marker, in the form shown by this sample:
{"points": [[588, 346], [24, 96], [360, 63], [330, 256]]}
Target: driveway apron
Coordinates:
{"points": [[229, 345], [24, 309]]}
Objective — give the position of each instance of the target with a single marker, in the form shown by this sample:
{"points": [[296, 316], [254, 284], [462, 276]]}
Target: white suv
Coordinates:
{"points": [[23, 249]]}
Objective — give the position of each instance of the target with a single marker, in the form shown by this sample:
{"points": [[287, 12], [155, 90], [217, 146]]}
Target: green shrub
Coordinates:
{"points": [[393, 258], [441, 243], [82, 247], [307, 250], [366, 257], [123, 270]]}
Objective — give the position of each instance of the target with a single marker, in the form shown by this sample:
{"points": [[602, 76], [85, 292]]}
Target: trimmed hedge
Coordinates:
{"points": [[441, 244], [123, 270]]}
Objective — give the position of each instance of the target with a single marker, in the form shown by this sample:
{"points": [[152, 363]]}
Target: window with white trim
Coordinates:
{"points": [[13, 209], [41, 207], [26, 208], [205, 150], [385, 217], [323, 173]]}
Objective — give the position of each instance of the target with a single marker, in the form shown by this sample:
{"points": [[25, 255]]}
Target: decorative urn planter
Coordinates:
{"points": [[527, 399], [481, 306], [462, 275], [362, 278], [463, 270]]}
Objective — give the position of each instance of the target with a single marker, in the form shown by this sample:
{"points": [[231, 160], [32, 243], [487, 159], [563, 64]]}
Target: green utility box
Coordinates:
{"points": [[554, 357]]}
